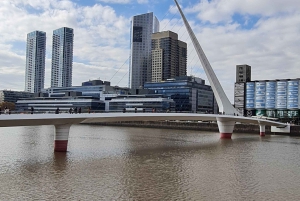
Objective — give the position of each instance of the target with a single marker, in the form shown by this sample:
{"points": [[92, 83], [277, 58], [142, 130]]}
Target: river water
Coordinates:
{"points": [[121, 163]]}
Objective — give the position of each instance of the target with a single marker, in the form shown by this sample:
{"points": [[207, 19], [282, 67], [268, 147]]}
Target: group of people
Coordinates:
{"points": [[75, 110], [6, 110]]}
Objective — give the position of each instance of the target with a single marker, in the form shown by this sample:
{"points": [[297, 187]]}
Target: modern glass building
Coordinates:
{"points": [[142, 27], [169, 56], [273, 98], [190, 94], [50, 104], [93, 94], [141, 103], [62, 57], [13, 96], [35, 61]]}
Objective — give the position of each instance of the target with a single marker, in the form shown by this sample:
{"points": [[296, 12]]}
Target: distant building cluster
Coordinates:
{"points": [[155, 56], [61, 63], [271, 98], [158, 80]]}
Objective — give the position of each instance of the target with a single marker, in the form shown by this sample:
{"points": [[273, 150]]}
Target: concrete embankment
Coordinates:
{"points": [[202, 126]]}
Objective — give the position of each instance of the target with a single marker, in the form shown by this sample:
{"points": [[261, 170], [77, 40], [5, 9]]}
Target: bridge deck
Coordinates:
{"points": [[58, 119]]}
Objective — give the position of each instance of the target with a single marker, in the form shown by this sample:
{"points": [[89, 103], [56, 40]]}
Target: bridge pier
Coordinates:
{"points": [[61, 137], [262, 129], [225, 128]]}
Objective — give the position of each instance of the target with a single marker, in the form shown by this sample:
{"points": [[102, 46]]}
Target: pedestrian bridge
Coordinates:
{"points": [[63, 122]]}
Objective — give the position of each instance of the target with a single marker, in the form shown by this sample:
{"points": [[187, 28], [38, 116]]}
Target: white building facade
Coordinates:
{"points": [[35, 61], [62, 57]]}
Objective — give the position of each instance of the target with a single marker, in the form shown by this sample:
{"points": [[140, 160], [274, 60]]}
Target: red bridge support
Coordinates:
{"points": [[262, 129], [61, 137], [225, 128]]}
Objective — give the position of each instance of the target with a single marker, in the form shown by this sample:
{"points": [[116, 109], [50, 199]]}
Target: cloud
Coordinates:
{"points": [[223, 10], [115, 1], [142, 1], [271, 46], [101, 46]]}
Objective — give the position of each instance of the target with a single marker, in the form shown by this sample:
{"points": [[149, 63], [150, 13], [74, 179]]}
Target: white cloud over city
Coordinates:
{"points": [[263, 34]]}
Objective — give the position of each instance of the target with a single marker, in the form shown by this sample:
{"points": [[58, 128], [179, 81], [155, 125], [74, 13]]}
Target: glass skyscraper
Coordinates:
{"points": [[62, 57], [142, 27], [35, 61]]}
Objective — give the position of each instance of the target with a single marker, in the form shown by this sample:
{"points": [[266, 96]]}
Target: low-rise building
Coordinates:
{"points": [[13, 96], [141, 103]]}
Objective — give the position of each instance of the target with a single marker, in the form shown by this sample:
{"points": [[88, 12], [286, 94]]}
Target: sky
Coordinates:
{"points": [[264, 34]]}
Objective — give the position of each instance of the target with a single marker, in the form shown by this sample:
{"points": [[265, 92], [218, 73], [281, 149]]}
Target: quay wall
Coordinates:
{"points": [[201, 126]]}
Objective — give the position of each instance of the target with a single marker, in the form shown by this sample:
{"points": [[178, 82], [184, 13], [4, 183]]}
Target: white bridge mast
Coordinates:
{"points": [[222, 100]]}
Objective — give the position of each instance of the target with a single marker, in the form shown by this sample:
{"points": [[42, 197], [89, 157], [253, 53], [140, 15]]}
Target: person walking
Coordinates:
{"points": [[135, 110], [79, 110], [75, 110], [32, 109], [89, 110], [57, 110]]}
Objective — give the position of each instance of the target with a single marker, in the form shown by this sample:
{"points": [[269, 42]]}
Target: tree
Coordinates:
{"points": [[9, 105]]}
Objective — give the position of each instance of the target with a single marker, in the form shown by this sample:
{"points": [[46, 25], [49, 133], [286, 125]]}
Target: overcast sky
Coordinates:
{"points": [[264, 34]]}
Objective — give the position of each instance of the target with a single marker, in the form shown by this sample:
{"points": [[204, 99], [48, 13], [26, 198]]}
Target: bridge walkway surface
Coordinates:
{"points": [[64, 121]]}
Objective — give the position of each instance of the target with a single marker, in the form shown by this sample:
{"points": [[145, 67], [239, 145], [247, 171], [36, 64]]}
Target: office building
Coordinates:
{"points": [[141, 103], [35, 61], [190, 94], [93, 93], [13, 96], [169, 56], [273, 98], [270, 98], [62, 57], [142, 27]]}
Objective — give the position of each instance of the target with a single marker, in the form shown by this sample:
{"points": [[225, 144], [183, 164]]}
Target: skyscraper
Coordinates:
{"points": [[62, 57], [142, 27], [35, 61], [169, 56]]}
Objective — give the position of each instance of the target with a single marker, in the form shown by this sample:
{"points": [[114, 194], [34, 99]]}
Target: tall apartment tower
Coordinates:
{"points": [[243, 75], [142, 27], [35, 61], [62, 57], [169, 56]]}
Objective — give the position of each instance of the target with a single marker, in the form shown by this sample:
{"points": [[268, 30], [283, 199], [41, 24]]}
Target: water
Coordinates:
{"points": [[120, 163]]}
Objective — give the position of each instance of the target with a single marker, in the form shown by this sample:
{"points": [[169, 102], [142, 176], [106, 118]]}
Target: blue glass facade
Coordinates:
{"points": [[293, 94], [270, 95], [273, 98], [250, 95], [260, 95], [189, 95], [281, 95]]}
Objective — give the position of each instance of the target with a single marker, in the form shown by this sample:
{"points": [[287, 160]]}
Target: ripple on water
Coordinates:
{"points": [[116, 163]]}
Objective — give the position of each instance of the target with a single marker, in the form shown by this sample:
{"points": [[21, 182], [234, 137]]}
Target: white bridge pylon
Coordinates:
{"points": [[224, 104]]}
